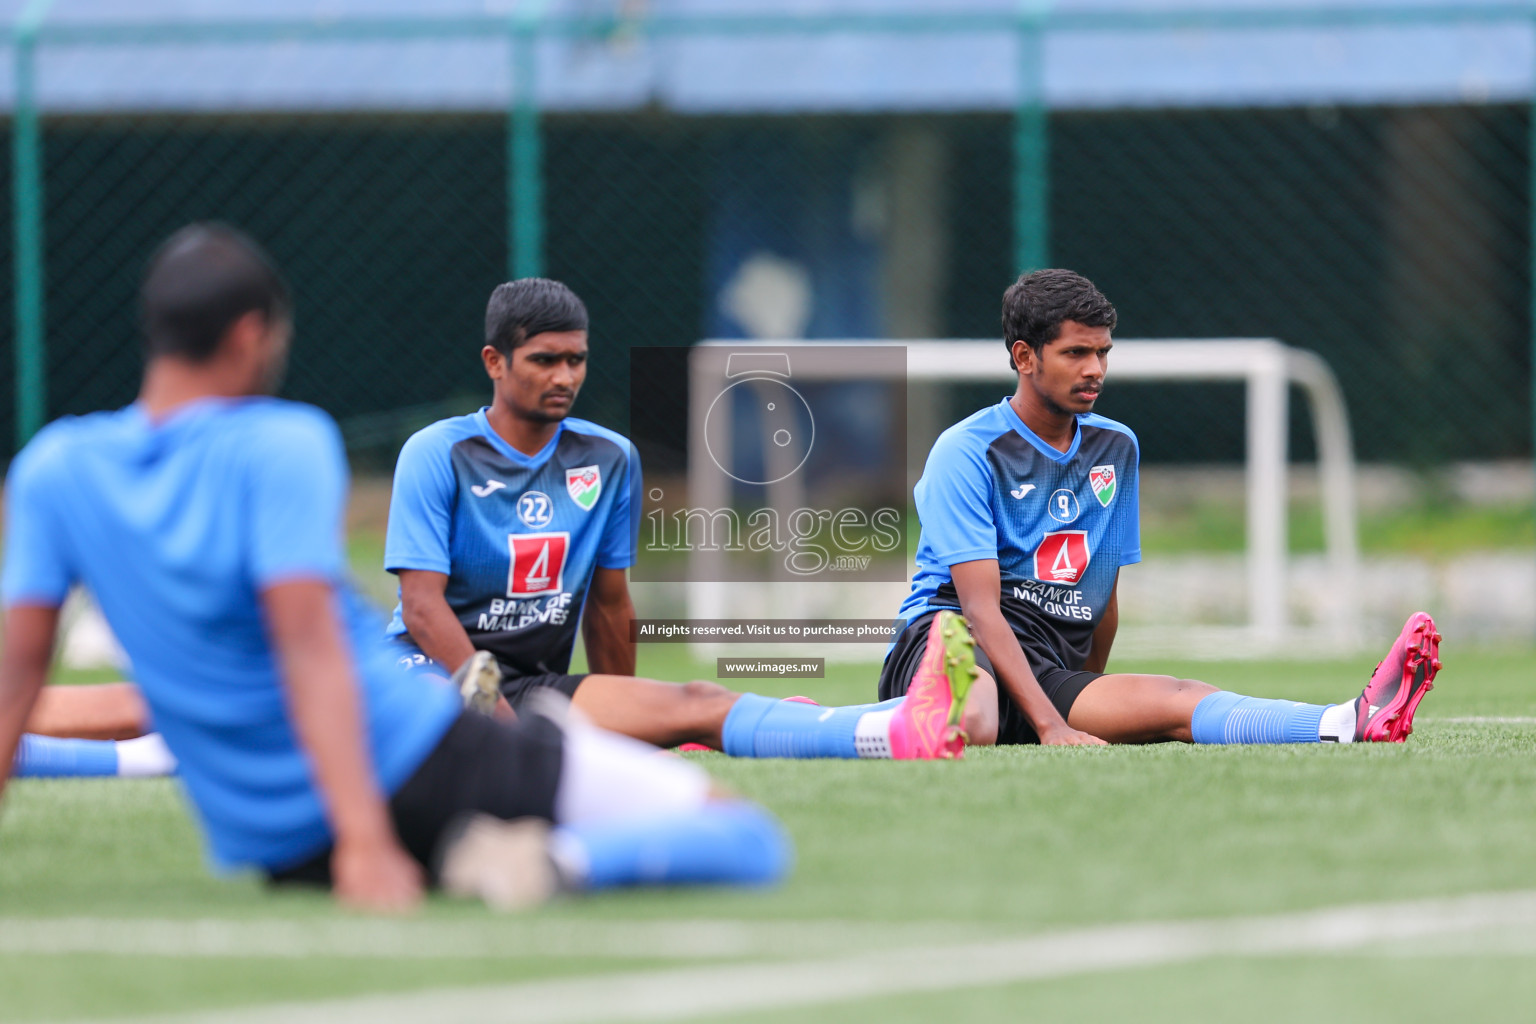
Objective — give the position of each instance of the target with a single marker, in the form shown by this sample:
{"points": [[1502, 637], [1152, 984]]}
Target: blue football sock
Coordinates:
{"points": [[1232, 718], [723, 842], [51, 757], [764, 727]]}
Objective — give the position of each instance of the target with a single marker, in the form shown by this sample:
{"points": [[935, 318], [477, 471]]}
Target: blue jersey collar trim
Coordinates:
{"points": [[501, 445], [1022, 429]]}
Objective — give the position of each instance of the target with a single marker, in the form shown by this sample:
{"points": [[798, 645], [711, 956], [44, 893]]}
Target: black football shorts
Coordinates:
{"points": [[1061, 685]]}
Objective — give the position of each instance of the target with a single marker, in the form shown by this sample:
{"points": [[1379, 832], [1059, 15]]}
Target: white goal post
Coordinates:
{"points": [[1266, 366]]}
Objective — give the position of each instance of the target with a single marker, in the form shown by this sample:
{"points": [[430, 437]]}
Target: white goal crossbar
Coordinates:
{"points": [[1267, 368]]}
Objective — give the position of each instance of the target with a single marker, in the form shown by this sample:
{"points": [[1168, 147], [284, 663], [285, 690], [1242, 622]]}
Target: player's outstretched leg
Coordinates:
{"points": [[625, 815], [701, 748], [99, 711], [924, 724], [1382, 713], [49, 757]]}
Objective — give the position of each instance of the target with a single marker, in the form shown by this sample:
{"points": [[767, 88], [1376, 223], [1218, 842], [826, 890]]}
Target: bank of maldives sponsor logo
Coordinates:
{"points": [[1062, 557], [584, 485], [1103, 480], [538, 563]]}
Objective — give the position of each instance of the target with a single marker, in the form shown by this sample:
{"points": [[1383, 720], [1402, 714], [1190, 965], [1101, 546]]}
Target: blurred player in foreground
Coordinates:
{"points": [[1028, 511], [207, 521]]}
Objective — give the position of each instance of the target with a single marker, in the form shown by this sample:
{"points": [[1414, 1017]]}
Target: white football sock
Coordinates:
{"points": [[1337, 724], [144, 756], [872, 734]]}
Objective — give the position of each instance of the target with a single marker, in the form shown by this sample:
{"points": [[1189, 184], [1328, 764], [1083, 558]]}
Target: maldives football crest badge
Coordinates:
{"points": [[1102, 480], [584, 485]]}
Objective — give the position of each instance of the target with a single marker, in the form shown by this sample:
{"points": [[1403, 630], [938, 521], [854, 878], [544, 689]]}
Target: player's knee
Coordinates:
{"points": [[979, 719], [700, 692], [1193, 686], [980, 726]]}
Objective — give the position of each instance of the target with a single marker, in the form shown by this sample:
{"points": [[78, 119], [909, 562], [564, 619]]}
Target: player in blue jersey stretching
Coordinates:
{"points": [[207, 522], [1029, 511], [508, 525]]}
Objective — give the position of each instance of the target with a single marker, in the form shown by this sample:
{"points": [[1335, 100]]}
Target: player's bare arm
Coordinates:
{"points": [[370, 867], [430, 621], [1104, 633], [978, 584], [24, 662], [605, 624]]}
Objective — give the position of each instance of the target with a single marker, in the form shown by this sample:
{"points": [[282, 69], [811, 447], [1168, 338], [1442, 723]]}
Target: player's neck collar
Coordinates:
{"points": [[1045, 448], [502, 445]]}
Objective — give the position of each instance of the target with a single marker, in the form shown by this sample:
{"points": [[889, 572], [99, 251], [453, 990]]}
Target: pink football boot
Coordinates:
{"points": [[927, 725], [1384, 712]]}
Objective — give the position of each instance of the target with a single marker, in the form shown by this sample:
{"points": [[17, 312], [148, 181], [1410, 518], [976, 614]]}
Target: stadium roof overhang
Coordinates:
{"points": [[768, 56]]}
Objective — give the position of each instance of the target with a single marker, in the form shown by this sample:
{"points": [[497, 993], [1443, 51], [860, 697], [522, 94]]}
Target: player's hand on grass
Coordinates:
{"points": [[376, 875], [1064, 735]]}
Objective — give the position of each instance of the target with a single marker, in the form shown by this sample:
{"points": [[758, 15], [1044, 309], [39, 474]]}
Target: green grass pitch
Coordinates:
{"points": [[106, 909]]}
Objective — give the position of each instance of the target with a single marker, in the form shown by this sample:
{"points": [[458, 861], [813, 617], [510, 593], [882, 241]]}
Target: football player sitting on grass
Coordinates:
{"points": [[206, 519], [1028, 511]]}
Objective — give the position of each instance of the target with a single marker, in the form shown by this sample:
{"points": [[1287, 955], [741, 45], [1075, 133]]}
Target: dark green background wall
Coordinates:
{"points": [[1393, 241]]}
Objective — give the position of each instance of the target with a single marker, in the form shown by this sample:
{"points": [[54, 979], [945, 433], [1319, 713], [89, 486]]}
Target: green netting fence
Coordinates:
{"points": [[1394, 240]]}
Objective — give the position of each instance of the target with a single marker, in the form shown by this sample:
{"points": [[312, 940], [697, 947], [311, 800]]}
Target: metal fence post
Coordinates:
{"points": [[525, 202], [1031, 145], [27, 229]]}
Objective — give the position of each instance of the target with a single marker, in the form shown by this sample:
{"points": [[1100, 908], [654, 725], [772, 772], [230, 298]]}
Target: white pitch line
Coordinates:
{"points": [[1486, 720], [674, 994], [493, 938]]}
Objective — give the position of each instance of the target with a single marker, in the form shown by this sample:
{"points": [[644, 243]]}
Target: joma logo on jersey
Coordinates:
{"points": [[1062, 557], [1102, 480], [538, 563], [584, 485]]}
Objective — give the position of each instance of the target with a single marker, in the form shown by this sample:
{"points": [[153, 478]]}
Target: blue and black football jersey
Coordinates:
{"points": [[518, 536], [1060, 524]]}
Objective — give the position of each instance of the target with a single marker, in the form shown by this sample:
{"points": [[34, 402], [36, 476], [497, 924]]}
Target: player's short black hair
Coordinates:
{"points": [[531, 305], [1036, 305], [199, 282]]}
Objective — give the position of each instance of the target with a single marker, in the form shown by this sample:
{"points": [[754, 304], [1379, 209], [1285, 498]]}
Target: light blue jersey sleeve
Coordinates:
{"points": [[621, 534], [954, 502], [37, 567], [1130, 521], [297, 500], [421, 507]]}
